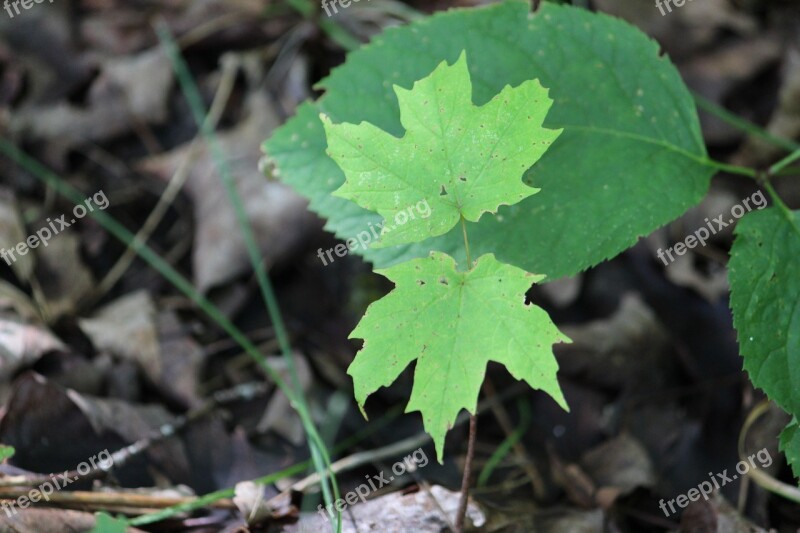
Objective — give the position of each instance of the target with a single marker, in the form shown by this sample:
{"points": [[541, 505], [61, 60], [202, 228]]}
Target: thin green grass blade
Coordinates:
{"points": [[319, 452], [505, 447]]}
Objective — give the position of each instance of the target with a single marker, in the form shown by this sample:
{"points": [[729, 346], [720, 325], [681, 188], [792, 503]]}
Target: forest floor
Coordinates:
{"points": [[98, 352]]}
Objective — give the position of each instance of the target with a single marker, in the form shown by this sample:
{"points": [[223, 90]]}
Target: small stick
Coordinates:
{"points": [[462, 504], [121, 457], [103, 500]]}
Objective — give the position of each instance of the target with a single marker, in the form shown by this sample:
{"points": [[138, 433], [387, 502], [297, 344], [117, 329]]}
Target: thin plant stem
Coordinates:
{"points": [[732, 169], [785, 162], [742, 124], [464, 500], [473, 426]]}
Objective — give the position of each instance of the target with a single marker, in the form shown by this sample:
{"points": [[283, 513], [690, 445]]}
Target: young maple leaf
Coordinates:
{"points": [[453, 323], [464, 160]]}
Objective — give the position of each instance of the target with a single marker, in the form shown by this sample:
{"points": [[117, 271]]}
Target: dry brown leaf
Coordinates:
{"points": [[278, 215], [54, 428], [126, 91], [420, 512], [23, 344], [256, 506], [181, 361], [63, 277], [622, 351], [620, 464], [280, 416], [12, 232], [126, 328]]}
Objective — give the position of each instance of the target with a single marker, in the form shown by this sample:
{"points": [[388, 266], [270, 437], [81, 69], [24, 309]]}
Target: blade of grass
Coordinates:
{"points": [[506, 446], [319, 452], [338, 405]]}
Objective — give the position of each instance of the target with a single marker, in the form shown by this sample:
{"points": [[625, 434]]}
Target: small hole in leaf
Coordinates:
{"points": [[443, 281], [443, 192]]}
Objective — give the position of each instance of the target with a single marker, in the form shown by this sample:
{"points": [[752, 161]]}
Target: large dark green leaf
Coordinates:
{"points": [[630, 159]]}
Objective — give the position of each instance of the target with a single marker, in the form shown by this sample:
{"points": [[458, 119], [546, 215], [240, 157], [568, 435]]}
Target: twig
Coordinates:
{"points": [[243, 391], [473, 424], [462, 504], [124, 455], [107, 500]]}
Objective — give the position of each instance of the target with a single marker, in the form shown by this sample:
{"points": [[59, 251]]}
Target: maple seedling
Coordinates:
{"points": [[631, 158], [465, 161]]}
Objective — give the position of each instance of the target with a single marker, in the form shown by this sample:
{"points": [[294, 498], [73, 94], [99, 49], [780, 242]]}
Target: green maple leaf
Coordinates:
{"points": [[462, 159], [453, 323]]}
